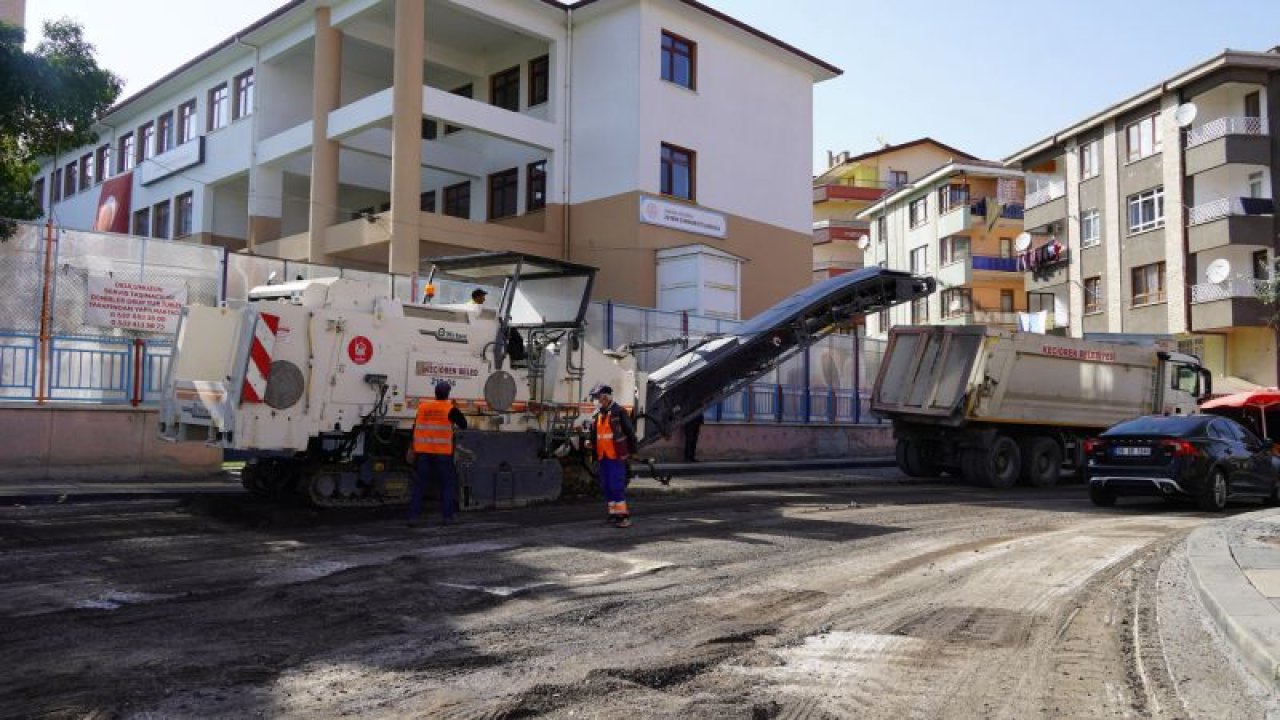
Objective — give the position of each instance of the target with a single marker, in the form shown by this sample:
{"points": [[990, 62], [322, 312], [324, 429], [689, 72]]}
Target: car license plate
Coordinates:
{"points": [[1131, 451]]}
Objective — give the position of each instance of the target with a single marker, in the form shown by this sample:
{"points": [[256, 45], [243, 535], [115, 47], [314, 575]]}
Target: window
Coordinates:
{"points": [[101, 163], [952, 197], [882, 229], [897, 179], [427, 201], [918, 211], [217, 107], [1038, 301], [1148, 284], [164, 133], [242, 106], [1261, 266], [679, 60], [457, 200], [1090, 159], [1006, 301], [187, 121], [1255, 184], [539, 80], [125, 154], [1146, 210], [86, 171], [69, 180], [957, 302], [142, 222], [1253, 105], [1090, 228], [503, 190], [146, 141], [677, 170], [160, 220], [536, 189], [464, 91], [920, 311], [37, 192], [428, 129], [1006, 247], [920, 261], [183, 214], [504, 89], [953, 249], [1143, 137], [57, 186], [1093, 294]]}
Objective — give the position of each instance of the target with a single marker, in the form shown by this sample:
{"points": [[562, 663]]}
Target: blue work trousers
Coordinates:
{"points": [[437, 468], [613, 485]]}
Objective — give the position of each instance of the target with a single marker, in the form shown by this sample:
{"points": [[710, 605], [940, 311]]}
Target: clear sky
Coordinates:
{"points": [[986, 76]]}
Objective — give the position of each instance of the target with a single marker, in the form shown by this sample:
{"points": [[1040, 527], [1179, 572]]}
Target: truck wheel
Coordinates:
{"points": [[1002, 463], [1101, 496], [1041, 461], [1213, 496], [912, 462]]}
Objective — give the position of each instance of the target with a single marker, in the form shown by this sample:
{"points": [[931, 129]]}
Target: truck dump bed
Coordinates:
{"points": [[951, 375]]}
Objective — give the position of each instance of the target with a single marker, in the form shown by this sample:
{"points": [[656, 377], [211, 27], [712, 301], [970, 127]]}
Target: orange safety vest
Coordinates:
{"points": [[604, 438], [432, 431]]}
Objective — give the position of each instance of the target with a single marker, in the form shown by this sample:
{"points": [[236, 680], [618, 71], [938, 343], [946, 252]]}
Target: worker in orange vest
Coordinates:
{"points": [[614, 439], [433, 452]]}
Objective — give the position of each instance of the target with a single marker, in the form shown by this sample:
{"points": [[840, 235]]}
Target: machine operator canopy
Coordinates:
{"points": [[535, 291]]}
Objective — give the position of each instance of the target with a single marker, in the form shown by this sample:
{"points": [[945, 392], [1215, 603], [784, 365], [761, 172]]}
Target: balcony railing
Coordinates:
{"points": [[1215, 129], [1051, 190], [1010, 211], [995, 264], [1222, 207], [1234, 288]]}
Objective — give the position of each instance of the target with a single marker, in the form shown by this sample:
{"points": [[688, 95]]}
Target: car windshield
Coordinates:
{"points": [[1167, 425]]}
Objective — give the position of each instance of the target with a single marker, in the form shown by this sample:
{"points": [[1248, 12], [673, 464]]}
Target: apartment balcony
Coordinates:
{"points": [[856, 190], [965, 269], [957, 219], [1047, 204], [1242, 140], [825, 231], [1000, 318], [1230, 221], [1045, 271], [1233, 303]]}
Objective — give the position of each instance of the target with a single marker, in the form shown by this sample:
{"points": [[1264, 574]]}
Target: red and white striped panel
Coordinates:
{"points": [[264, 343]]}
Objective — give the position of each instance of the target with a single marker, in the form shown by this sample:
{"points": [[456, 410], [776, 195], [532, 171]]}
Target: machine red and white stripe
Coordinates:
{"points": [[259, 368]]}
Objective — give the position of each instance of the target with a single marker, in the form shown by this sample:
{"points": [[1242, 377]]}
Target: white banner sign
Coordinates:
{"points": [[682, 217], [151, 307]]}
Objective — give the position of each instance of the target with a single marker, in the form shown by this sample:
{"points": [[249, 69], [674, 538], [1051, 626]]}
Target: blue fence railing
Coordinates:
{"points": [[103, 370], [18, 365]]}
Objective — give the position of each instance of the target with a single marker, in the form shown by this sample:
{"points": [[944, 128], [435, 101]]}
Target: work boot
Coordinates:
{"points": [[623, 522]]}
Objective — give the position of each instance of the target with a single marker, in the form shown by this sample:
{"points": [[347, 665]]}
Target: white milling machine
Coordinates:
{"points": [[318, 380]]}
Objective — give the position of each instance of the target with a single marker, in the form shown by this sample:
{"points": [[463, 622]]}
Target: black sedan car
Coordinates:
{"points": [[1201, 457]]}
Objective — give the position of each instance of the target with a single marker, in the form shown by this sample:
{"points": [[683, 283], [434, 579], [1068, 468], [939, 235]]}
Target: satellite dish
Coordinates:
{"points": [[1218, 270], [1185, 114], [863, 242], [1023, 241]]}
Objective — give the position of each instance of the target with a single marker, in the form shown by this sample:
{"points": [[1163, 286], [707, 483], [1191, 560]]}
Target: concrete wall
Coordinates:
{"points": [[741, 441], [88, 443]]}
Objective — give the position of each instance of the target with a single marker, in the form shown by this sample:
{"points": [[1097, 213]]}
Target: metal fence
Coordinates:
{"points": [[63, 336]]}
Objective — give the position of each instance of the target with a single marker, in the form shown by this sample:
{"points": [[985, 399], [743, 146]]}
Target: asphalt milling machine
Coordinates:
{"points": [[317, 381]]}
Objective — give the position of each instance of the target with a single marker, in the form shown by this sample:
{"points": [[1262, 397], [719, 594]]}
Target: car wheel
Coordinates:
{"points": [[912, 461], [1213, 496], [1101, 496], [1041, 462]]}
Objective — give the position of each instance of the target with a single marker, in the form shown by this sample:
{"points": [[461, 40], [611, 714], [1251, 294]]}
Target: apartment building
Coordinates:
{"points": [[660, 140], [1166, 204], [958, 223], [850, 184]]}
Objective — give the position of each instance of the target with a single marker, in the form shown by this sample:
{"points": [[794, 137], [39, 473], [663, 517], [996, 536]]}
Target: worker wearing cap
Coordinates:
{"points": [[478, 295], [433, 452], [614, 439]]}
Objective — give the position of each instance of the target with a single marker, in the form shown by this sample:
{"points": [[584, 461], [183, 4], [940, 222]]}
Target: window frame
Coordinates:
{"points": [[55, 189], [966, 295], [503, 189], [920, 311], [1090, 160], [70, 179], [918, 211], [218, 110], [1094, 306], [539, 80], [670, 53], [164, 132], [952, 196], [918, 260], [897, 179], [188, 122], [86, 172], [1148, 296], [1134, 137], [504, 85], [242, 89], [669, 163], [146, 134], [161, 217], [947, 249], [1136, 201], [143, 214], [1091, 218], [1008, 302], [535, 186], [184, 207], [101, 163], [427, 201], [126, 153], [454, 195]]}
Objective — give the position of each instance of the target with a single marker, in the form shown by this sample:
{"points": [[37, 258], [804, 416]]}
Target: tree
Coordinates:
{"points": [[51, 98]]}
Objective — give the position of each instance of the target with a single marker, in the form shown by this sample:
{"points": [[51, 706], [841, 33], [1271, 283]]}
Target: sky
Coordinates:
{"points": [[988, 77]]}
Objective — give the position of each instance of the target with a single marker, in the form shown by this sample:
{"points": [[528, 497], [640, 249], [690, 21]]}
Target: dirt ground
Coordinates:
{"points": [[879, 599]]}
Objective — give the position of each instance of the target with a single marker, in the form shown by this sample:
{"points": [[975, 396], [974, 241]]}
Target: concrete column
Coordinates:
{"points": [[1075, 276], [1175, 229], [1113, 219], [326, 86], [266, 204], [406, 137]]}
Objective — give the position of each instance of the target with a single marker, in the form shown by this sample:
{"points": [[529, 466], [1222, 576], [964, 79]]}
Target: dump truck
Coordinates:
{"points": [[317, 381], [998, 406]]}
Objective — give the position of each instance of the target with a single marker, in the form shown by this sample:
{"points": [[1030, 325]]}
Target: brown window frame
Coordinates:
{"points": [[966, 301], [1008, 302], [667, 165], [101, 163], [539, 80], [218, 111], [452, 195], [161, 211], [504, 194], [143, 214], [535, 197], [242, 87], [184, 214], [187, 126], [69, 178], [920, 311], [146, 141], [1093, 295], [126, 153], [1133, 138], [1148, 296], [86, 172], [504, 89], [164, 133], [670, 52], [918, 211]]}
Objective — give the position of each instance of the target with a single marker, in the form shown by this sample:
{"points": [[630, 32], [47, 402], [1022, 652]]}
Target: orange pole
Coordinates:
{"points": [[42, 351]]}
